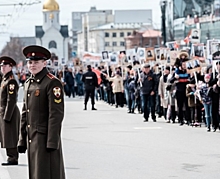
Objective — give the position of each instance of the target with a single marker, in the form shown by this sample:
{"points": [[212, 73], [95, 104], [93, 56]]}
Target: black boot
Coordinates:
{"points": [[93, 108], [208, 129], [132, 111], [85, 108]]}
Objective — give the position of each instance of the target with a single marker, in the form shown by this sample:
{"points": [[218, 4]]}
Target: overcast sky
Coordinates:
{"points": [[24, 18]]}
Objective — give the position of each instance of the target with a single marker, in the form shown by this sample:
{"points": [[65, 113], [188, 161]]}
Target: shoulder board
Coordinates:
{"points": [[51, 76]]}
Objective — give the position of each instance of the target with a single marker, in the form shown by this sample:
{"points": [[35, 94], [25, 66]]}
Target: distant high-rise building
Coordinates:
{"points": [[182, 16], [82, 21]]}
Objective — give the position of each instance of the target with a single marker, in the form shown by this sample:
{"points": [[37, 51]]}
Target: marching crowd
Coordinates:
{"points": [[170, 92], [164, 91]]}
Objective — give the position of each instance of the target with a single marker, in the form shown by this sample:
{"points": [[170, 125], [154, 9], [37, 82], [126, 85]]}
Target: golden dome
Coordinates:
{"points": [[50, 5]]}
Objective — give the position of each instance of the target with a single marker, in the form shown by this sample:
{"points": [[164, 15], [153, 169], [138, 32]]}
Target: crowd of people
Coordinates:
{"points": [[164, 91], [158, 91]]}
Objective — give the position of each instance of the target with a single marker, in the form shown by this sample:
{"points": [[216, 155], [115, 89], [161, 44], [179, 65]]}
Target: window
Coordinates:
{"points": [[106, 44], [122, 34], [52, 44], [114, 34], [114, 43], [106, 34], [129, 33], [122, 43]]}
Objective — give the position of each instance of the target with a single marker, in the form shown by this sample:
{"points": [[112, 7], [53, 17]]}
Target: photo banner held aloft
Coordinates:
{"points": [[113, 58], [195, 36], [193, 66], [150, 55], [163, 56], [157, 54], [141, 54], [198, 52], [171, 57]]}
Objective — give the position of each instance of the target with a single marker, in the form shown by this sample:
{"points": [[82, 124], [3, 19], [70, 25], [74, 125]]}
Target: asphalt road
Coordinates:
{"points": [[111, 144]]}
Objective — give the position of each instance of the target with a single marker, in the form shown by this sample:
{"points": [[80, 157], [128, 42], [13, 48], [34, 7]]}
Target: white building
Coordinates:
{"points": [[104, 31], [110, 37], [51, 34]]}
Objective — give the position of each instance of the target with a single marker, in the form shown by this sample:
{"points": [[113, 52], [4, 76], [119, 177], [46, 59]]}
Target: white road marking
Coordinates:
{"points": [[147, 128], [3, 170]]}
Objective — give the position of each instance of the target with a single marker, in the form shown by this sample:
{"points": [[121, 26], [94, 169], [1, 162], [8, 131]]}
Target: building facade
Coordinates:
{"points": [[110, 37], [104, 31], [83, 21], [182, 16], [147, 38]]}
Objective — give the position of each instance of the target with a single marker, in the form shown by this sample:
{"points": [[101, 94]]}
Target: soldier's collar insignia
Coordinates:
{"points": [[57, 91]]}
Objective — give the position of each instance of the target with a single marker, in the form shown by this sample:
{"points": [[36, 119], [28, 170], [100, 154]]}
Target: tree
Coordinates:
{"points": [[13, 49]]}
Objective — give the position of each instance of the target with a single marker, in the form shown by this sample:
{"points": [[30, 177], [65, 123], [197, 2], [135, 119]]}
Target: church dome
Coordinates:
{"points": [[50, 5]]}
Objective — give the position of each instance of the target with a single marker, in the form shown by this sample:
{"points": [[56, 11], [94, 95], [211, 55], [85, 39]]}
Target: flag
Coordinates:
{"points": [[176, 45], [186, 40], [98, 74]]}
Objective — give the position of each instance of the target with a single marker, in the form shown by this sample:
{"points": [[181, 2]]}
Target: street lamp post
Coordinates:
{"points": [[163, 4]]}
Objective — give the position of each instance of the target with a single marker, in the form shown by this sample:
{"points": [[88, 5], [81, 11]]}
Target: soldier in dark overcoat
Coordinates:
{"points": [[9, 112], [42, 116]]}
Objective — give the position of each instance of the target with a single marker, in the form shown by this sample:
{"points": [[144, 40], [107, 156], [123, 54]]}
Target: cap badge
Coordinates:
{"points": [[33, 54]]}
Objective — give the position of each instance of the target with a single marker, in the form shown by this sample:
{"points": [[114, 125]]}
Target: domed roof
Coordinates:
{"points": [[50, 5]]}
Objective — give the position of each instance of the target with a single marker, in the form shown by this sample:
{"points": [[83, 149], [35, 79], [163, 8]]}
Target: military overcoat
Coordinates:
{"points": [[9, 112], [42, 116]]}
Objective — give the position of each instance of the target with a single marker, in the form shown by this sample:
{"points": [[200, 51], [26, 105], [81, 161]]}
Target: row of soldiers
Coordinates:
{"points": [[37, 130]]}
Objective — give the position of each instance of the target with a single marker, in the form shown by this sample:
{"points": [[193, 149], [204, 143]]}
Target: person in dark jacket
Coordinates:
{"points": [[159, 108], [127, 80], [70, 82], [9, 112], [90, 83], [131, 92], [79, 82], [215, 97], [148, 88], [182, 78], [42, 116]]}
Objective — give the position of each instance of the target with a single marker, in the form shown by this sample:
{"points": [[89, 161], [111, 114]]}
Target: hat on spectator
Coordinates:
{"points": [[146, 65], [183, 53]]}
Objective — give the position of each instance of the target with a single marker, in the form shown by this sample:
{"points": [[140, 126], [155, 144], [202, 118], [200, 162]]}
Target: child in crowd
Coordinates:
{"points": [[190, 90], [206, 100]]}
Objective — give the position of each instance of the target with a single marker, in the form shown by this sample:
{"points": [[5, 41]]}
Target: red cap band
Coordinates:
{"points": [[37, 54]]}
